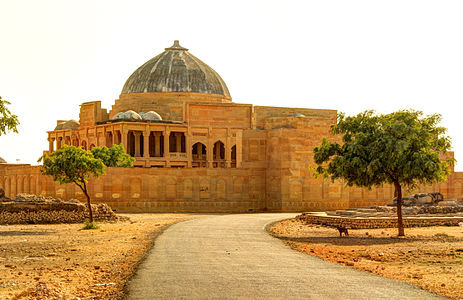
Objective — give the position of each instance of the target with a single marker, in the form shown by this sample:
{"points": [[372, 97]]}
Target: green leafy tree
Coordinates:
{"points": [[403, 148], [114, 156], [75, 165], [8, 121]]}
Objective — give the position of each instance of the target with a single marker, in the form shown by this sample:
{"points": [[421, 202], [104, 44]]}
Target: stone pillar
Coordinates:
{"points": [[166, 143], [137, 143], [188, 150], [58, 143], [178, 142], [50, 145], [210, 154], [146, 144], [124, 135], [228, 151], [114, 135], [166, 147], [157, 144]]}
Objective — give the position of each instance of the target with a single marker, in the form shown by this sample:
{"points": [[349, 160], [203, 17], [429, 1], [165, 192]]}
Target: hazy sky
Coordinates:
{"points": [[343, 55]]}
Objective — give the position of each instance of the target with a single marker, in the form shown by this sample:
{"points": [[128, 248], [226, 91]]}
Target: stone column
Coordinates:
{"points": [[166, 143], [166, 147], [50, 145], [124, 135], [178, 142], [146, 144], [228, 151], [58, 143], [114, 137], [188, 150], [157, 144], [137, 143], [209, 154]]}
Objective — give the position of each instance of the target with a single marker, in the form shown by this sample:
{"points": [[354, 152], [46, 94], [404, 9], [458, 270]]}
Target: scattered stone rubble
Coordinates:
{"points": [[427, 210], [37, 209], [420, 199]]}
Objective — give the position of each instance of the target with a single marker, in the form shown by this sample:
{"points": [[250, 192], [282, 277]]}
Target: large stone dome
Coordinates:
{"points": [[175, 70]]}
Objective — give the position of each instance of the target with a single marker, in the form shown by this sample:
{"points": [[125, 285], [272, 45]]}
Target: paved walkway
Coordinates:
{"points": [[232, 257]]}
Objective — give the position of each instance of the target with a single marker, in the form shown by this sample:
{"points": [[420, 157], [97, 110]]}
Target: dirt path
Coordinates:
{"points": [[233, 257], [47, 261], [429, 257]]}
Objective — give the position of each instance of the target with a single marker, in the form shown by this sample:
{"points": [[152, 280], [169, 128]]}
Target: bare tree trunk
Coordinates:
{"points": [[90, 213], [400, 222], [89, 205]]}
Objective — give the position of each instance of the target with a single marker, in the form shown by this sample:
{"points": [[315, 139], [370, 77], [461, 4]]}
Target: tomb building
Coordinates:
{"points": [[196, 150]]}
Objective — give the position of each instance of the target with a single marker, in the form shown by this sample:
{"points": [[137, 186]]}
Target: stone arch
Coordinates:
{"points": [[171, 188], [153, 189], [32, 186], [221, 189], [26, 182], [19, 184], [204, 192], [219, 150], [188, 188], [84, 145], [199, 155], [237, 185], [91, 146], [7, 186], [135, 187]]}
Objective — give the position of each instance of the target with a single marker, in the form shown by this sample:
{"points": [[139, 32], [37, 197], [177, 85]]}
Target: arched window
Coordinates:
{"points": [[219, 151], [233, 156], [219, 155], [199, 155]]}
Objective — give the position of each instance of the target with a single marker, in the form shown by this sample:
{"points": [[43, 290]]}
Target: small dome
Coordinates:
{"points": [[128, 115], [2, 161], [175, 70], [151, 116], [71, 124]]}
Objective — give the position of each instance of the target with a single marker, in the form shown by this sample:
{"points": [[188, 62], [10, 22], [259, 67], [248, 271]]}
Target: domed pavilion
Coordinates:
{"points": [[197, 151]]}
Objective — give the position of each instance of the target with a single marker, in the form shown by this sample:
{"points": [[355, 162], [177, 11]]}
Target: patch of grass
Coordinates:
{"points": [[90, 225]]}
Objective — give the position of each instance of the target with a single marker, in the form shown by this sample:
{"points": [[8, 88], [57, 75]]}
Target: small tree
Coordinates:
{"points": [[76, 165], [7, 120], [402, 148], [114, 156]]}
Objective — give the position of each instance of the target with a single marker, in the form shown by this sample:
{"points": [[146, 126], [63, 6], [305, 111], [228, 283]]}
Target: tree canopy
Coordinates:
{"points": [[75, 165], [113, 157], [403, 148], [8, 121]]}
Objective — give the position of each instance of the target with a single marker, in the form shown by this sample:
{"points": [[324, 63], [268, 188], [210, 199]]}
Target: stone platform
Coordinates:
{"points": [[386, 216]]}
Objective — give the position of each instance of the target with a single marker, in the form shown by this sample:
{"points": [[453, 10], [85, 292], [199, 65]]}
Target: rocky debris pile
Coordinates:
{"points": [[37, 209], [420, 199]]}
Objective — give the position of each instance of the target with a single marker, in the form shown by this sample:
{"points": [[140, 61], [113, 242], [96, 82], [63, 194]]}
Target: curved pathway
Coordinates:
{"points": [[232, 257]]}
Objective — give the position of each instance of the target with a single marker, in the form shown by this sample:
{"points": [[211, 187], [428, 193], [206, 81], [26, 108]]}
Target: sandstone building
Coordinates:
{"points": [[197, 150]]}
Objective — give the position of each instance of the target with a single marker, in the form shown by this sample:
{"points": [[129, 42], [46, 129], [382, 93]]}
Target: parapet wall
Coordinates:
{"points": [[286, 185], [151, 189]]}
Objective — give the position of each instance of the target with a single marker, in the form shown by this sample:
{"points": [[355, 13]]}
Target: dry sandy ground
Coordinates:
{"points": [[430, 257], [61, 261]]}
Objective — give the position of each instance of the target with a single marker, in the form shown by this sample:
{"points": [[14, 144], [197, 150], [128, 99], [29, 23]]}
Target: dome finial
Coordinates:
{"points": [[176, 46]]}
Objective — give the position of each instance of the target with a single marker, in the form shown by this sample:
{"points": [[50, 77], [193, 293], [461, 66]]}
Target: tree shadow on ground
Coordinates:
{"points": [[352, 241], [20, 233]]}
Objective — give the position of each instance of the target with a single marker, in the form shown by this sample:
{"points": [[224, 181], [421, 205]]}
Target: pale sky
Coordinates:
{"points": [[345, 55]]}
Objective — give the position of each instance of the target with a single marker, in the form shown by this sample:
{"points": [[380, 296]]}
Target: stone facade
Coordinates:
{"points": [[204, 153]]}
